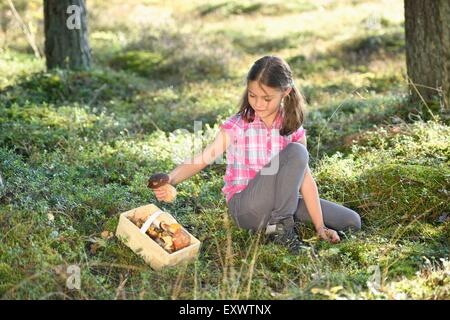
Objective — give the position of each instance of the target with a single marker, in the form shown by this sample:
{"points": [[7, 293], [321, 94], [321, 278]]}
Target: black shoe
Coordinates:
{"points": [[285, 235]]}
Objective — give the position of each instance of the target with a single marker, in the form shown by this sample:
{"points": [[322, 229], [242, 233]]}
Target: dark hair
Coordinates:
{"points": [[274, 72]]}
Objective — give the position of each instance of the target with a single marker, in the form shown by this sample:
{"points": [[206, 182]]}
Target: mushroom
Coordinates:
{"points": [[161, 180], [168, 243], [171, 228], [181, 239], [153, 233], [158, 180]]}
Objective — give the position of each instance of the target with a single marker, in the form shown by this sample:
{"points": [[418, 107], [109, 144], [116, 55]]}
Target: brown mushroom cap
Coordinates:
{"points": [[171, 228], [158, 180], [181, 239]]}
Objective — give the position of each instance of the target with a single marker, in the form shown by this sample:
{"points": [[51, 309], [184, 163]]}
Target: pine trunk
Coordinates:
{"points": [[427, 32], [66, 46]]}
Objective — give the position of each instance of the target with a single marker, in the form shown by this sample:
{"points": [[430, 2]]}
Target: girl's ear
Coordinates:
{"points": [[286, 92]]}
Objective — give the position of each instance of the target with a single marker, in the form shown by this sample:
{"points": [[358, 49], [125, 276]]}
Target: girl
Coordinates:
{"points": [[268, 183]]}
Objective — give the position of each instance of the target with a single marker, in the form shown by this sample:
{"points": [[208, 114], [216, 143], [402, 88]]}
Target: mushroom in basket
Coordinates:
{"points": [[180, 238]]}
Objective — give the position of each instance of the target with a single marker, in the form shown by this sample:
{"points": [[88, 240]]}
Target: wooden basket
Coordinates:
{"points": [[146, 247]]}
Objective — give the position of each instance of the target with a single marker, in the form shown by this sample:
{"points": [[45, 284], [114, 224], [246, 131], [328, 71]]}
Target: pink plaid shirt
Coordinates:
{"points": [[252, 146]]}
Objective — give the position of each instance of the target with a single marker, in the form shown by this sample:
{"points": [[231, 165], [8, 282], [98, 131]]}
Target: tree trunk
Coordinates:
{"points": [[427, 32], [66, 34]]}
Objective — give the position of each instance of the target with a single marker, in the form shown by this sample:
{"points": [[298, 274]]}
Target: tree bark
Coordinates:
{"points": [[427, 32], [66, 46]]}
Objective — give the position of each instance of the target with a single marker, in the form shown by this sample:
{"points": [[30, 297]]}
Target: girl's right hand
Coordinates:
{"points": [[160, 193], [329, 235]]}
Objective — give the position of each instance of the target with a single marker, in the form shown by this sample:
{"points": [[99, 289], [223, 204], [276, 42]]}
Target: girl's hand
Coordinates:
{"points": [[160, 193], [328, 235], [161, 185]]}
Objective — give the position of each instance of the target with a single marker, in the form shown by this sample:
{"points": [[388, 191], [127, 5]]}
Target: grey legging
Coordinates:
{"points": [[273, 194]]}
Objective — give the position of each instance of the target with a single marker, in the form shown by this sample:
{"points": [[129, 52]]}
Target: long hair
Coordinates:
{"points": [[274, 72]]}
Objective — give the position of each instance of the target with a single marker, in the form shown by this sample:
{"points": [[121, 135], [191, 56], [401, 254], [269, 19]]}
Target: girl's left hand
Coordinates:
{"points": [[328, 235]]}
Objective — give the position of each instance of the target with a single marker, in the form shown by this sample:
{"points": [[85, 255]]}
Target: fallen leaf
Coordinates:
{"points": [[96, 243], [106, 235], [94, 247]]}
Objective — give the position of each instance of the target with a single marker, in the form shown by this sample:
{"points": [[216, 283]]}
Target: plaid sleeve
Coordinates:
{"points": [[298, 134], [230, 124]]}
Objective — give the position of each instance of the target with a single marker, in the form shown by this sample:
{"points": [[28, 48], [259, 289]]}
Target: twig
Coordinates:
{"points": [[120, 290], [396, 236], [179, 282], [421, 98], [96, 94], [252, 266], [26, 30], [323, 127], [255, 241]]}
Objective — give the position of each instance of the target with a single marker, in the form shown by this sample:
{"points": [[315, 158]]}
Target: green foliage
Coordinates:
{"points": [[254, 44], [393, 42], [354, 54], [63, 86], [230, 8], [176, 56], [141, 62], [305, 67]]}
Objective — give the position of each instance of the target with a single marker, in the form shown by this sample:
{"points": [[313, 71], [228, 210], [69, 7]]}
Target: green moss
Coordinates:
{"points": [[386, 82], [406, 192], [231, 8], [91, 87], [304, 67], [255, 44], [141, 62], [392, 42]]}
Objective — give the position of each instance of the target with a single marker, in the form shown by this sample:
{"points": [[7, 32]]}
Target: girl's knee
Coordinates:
{"points": [[339, 217], [298, 151], [354, 221]]}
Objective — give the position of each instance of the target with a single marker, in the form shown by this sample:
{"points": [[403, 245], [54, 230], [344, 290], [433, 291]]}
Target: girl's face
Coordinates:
{"points": [[263, 99]]}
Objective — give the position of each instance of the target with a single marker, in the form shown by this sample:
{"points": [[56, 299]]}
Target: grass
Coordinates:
{"points": [[76, 149]]}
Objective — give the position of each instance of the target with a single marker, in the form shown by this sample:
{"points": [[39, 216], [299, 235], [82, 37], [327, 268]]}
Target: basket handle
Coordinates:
{"points": [[150, 220]]}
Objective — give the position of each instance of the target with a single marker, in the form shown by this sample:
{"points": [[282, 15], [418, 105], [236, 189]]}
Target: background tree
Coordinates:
{"points": [[66, 34], [427, 34]]}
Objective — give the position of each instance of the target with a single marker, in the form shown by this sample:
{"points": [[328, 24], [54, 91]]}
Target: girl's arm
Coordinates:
{"points": [[310, 195], [191, 167]]}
